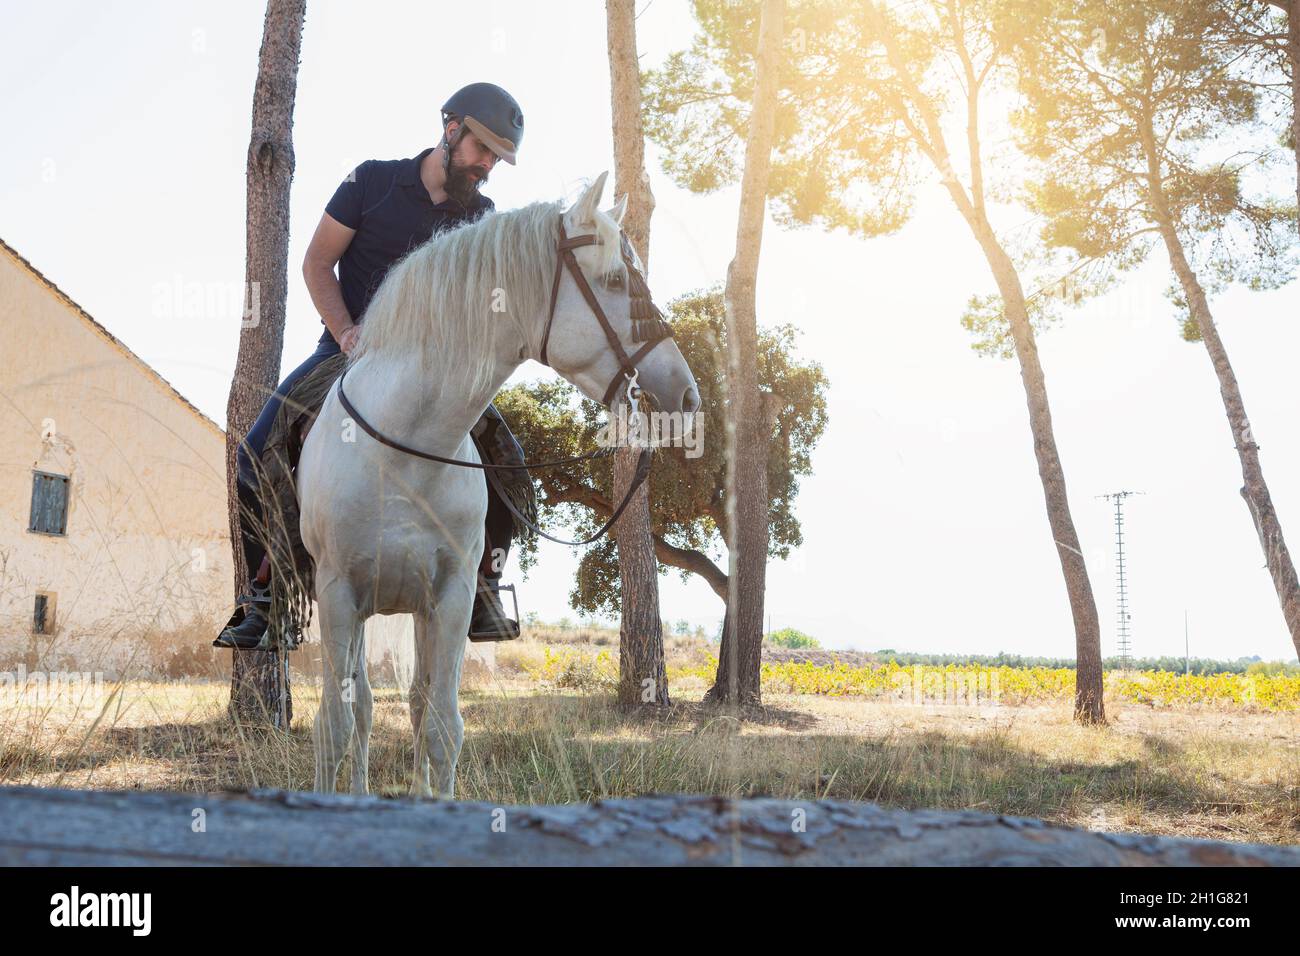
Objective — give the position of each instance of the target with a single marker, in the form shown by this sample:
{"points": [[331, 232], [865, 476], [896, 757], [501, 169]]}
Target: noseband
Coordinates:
{"points": [[648, 323]]}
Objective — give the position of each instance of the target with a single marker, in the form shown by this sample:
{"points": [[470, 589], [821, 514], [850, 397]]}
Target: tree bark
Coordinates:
{"points": [[643, 677], [1089, 702], [259, 689], [40, 827], [697, 562], [728, 651], [1292, 48], [747, 430], [1293, 53], [1254, 489]]}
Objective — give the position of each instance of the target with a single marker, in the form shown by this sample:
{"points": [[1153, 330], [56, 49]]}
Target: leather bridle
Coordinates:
{"points": [[649, 327], [637, 292]]}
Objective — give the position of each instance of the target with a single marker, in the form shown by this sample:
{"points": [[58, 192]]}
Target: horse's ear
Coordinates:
{"points": [[618, 210], [584, 210]]}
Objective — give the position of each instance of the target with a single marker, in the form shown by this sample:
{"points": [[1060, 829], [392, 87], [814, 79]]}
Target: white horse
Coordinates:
{"points": [[391, 533]]}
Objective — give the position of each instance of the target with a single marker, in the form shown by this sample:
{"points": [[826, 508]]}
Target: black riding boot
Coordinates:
{"points": [[490, 621], [248, 632]]}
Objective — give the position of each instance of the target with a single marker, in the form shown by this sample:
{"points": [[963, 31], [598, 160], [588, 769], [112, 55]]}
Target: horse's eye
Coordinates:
{"points": [[614, 280]]}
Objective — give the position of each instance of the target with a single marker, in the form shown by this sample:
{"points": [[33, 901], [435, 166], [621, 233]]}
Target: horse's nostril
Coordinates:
{"points": [[690, 400]]}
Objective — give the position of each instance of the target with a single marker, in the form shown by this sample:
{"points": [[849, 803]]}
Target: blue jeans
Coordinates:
{"points": [[255, 440]]}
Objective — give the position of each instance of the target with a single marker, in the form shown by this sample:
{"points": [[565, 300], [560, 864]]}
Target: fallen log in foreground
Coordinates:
{"points": [[274, 827]]}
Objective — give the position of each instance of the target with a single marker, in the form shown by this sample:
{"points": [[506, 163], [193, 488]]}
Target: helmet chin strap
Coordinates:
{"points": [[449, 146]]}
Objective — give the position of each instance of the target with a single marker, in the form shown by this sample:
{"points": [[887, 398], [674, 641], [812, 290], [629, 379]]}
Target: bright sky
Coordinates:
{"points": [[122, 179]]}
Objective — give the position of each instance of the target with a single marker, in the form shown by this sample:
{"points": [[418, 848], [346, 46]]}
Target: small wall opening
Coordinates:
{"points": [[43, 612]]}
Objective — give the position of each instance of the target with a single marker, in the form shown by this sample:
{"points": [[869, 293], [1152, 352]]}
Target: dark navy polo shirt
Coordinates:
{"points": [[388, 206]]}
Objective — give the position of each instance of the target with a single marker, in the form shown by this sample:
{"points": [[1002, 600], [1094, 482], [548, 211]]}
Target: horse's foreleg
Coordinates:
{"points": [[332, 732], [362, 712], [418, 702], [444, 730]]}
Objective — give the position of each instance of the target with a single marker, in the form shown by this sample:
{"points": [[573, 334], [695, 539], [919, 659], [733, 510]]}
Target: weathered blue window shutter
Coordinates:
{"points": [[49, 514]]}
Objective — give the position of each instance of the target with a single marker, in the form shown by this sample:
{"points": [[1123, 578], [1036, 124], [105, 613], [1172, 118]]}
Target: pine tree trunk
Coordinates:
{"points": [[747, 431], [1254, 489], [1293, 53], [642, 672], [729, 651], [643, 677], [1089, 701], [259, 688]]}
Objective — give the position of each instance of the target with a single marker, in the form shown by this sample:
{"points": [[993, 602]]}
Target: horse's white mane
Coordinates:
{"points": [[454, 295]]}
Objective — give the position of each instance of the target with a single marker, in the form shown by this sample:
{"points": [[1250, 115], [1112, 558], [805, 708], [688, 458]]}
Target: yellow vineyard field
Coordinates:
{"points": [[955, 684]]}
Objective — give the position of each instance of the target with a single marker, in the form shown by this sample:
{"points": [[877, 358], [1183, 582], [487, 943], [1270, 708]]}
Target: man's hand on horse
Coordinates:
{"points": [[349, 338]]}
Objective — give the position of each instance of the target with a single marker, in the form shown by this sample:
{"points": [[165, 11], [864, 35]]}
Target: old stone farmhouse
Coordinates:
{"points": [[114, 543]]}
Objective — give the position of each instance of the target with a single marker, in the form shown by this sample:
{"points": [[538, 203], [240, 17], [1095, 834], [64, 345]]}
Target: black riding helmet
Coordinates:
{"points": [[490, 113]]}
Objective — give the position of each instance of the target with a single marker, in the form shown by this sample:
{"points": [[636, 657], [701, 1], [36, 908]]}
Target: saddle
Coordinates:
{"points": [[292, 568]]}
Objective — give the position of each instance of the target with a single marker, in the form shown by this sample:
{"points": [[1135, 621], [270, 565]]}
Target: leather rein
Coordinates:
{"points": [[627, 372]]}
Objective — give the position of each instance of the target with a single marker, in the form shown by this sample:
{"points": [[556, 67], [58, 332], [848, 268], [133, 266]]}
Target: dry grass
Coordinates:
{"points": [[1227, 774]]}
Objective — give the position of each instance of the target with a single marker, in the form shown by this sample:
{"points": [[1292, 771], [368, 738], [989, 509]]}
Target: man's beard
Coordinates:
{"points": [[461, 184]]}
